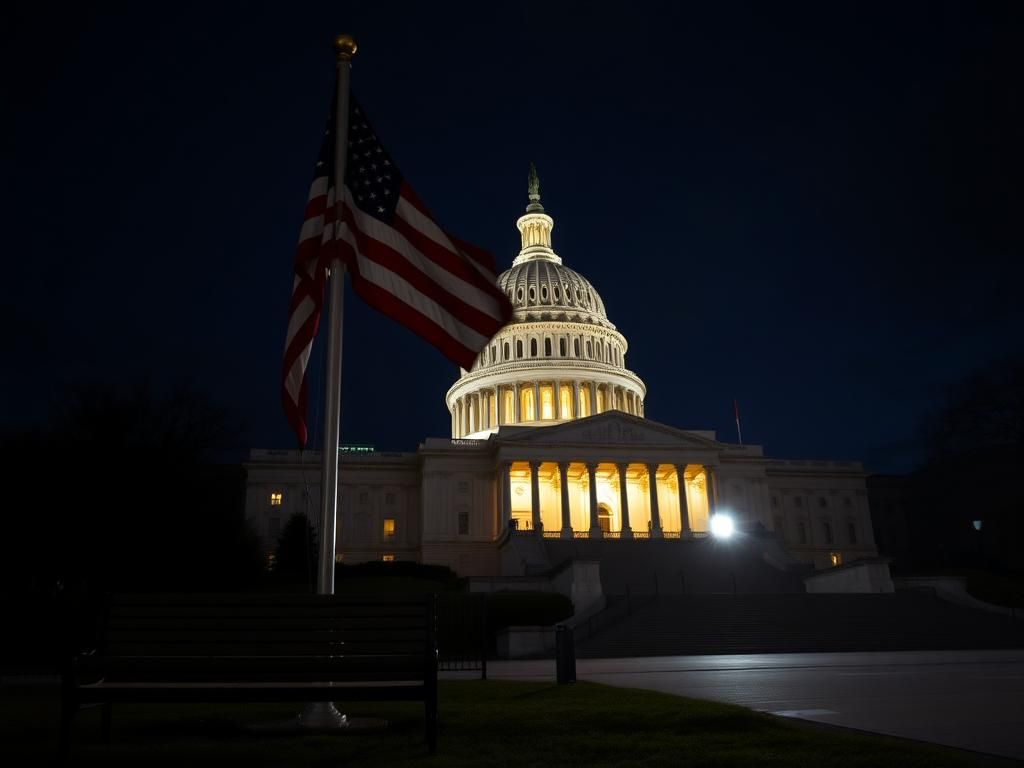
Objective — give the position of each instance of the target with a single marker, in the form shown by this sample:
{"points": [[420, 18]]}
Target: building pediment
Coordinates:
{"points": [[612, 428]]}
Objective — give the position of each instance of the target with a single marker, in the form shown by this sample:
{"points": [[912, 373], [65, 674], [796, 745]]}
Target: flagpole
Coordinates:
{"points": [[736, 410], [345, 48], [323, 714]]}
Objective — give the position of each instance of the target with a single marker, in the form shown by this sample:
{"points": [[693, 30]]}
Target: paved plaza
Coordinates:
{"points": [[966, 699]]}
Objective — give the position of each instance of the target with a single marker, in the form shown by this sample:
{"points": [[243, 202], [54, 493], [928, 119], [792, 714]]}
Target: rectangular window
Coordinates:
{"points": [[797, 501], [364, 497], [827, 529], [389, 497], [389, 527], [851, 532], [388, 558], [275, 498], [463, 523], [801, 532]]}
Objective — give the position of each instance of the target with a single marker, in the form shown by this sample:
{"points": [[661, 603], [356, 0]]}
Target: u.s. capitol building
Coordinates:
{"points": [[549, 440]]}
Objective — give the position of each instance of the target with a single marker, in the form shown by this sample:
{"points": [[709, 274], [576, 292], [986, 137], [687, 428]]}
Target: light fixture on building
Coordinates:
{"points": [[721, 525], [977, 525]]}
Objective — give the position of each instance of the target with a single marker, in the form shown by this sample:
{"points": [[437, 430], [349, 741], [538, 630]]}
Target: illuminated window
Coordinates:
{"points": [[389, 527], [835, 558], [547, 402], [275, 498], [388, 558]]}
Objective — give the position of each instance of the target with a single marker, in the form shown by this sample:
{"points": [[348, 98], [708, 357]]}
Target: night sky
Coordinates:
{"points": [[814, 208]]}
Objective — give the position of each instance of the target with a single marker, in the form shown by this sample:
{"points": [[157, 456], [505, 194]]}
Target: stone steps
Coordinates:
{"points": [[757, 623]]}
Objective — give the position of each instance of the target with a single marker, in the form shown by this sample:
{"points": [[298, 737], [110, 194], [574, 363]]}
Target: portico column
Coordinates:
{"points": [[556, 391], [518, 410], [709, 485], [627, 531], [497, 407], [536, 401], [535, 495], [563, 475], [684, 504], [595, 526], [576, 399], [506, 492], [652, 481]]}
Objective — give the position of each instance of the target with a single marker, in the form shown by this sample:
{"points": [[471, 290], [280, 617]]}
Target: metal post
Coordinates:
{"points": [[345, 47]]}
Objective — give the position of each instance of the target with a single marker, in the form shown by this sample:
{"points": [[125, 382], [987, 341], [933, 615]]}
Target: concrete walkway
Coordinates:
{"points": [[965, 699]]}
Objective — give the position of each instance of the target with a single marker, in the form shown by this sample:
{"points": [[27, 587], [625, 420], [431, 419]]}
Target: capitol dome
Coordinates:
{"points": [[559, 358], [545, 289]]}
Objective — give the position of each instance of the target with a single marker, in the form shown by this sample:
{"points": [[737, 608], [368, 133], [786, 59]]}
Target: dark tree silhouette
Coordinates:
{"points": [[975, 449], [296, 556]]}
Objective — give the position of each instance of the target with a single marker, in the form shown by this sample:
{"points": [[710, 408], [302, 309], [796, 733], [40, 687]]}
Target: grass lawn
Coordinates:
{"points": [[483, 723]]}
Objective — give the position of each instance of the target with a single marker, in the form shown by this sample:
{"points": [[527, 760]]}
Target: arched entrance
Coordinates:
{"points": [[604, 517]]}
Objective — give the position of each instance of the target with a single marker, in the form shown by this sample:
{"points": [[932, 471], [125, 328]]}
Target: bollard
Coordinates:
{"points": [[565, 655]]}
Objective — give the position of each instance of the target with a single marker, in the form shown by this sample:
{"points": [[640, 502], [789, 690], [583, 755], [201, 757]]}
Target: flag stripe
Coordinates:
{"points": [[400, 261]]}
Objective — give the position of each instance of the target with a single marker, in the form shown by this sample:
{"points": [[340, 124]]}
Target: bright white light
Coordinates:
{"points": [[721, 526]]}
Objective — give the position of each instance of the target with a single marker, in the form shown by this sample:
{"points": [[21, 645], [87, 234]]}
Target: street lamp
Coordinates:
{"points": [[721, 525]]}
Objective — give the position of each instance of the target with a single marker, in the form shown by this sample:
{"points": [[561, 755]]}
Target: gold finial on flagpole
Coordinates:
{"points": [[345, 46]]}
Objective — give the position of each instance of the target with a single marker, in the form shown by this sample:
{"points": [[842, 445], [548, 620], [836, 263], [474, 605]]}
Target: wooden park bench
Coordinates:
{"points": [[258, 648]]}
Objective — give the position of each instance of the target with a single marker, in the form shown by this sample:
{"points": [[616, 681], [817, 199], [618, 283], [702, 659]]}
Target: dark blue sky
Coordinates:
{"points": [[814, 208]]}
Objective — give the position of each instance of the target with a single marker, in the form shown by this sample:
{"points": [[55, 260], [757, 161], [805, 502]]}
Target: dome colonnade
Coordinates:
{"points": [[559, 359]]}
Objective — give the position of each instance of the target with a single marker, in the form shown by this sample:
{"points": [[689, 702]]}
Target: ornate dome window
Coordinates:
{"points": [[533, 294], [556, 294], [519, 294]]}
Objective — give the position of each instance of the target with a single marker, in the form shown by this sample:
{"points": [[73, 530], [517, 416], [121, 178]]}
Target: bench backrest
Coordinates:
{"points": [[268, 638]]}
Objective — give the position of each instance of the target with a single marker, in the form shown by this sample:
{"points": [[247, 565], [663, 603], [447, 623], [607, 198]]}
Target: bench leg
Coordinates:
{"points": [[68, 710], [105, 722], [431, 713]]}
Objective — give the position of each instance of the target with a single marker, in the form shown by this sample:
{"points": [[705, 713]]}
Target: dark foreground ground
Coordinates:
{"points": [[499, 723]]}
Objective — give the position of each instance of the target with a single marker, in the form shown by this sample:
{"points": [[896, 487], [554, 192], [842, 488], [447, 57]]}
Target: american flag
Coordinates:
{"points": [[400, 261]]}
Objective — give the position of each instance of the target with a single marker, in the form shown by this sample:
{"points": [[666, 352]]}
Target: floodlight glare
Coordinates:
{"points": [[721, 526]]}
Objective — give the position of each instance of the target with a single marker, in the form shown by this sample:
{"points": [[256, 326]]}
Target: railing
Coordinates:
{"points": [[639, 535], [462, 632]]}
